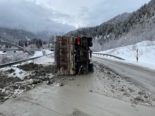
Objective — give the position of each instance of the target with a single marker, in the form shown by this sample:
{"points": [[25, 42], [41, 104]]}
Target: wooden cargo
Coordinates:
{"points": [[71, 55]]}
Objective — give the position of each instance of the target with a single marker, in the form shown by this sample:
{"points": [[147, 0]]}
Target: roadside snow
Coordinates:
{"points": [[46, 60], [37, 54], [1, 53], [11, 56], [16, 72], [41, 53], [146, 53], [48, 51]]}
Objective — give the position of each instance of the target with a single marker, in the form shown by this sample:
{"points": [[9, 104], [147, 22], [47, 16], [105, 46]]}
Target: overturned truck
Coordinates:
{"points": [[72, 55]]}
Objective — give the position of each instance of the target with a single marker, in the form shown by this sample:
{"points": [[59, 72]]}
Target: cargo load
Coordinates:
{"points": [[73, 55]]}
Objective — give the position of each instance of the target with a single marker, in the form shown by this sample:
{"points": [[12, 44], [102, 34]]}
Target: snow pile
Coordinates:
{"points": [[41, 53], [146, 53], [15, 72], [46, 60], [11, 56], [1, 53], [48, 51], [37, 54]]}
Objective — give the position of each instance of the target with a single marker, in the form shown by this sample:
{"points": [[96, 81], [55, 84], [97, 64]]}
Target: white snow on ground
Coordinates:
{"points": [[41, 53], [1, 52], [46, 60], [37, 54], [11, 56], [146, 53], [21, 74], [48, 51], [18, 73]]}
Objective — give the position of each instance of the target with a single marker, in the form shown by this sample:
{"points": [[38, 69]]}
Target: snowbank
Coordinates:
{"points": [[46, 60], [37, 54], [41, 53], [1, 53], [16, 73], [146, 53]]}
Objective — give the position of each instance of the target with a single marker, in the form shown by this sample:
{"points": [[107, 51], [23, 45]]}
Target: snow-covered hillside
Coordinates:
{"points": [[146, 53]]}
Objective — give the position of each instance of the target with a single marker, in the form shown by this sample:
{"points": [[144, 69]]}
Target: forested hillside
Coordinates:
{"points": [[15, 34], [125, 29]]}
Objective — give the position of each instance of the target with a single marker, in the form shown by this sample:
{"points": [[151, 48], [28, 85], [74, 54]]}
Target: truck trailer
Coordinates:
{"points": [[73, 55]]}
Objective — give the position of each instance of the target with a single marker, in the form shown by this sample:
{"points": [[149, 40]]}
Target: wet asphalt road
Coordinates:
{"points": [[76, 99], [143, 76]]}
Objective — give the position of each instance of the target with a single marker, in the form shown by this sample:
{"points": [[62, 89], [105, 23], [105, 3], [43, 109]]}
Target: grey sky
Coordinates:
{"points": [[61, 15]]}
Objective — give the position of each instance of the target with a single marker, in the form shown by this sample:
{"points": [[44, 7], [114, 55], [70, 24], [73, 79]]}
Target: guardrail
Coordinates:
{"points": [[17, 49], [102, 54], [21, 61]]}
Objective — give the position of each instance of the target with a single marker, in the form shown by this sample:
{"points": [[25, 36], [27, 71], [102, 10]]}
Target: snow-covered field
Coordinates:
{"points": [[42, 52], [12, 56], [17, 73], [146, 53], [46, 60]]}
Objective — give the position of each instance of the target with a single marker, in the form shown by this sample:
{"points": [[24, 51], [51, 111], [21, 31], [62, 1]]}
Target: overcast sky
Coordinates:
{"points": [[62, 15]]}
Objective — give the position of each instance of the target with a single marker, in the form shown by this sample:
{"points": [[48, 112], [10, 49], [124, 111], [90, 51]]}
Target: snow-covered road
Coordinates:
{"points": [[143, 76]]}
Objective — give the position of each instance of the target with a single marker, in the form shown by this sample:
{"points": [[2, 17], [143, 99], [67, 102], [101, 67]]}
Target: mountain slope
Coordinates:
{"points": [[15, 34], [124, 29]]}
